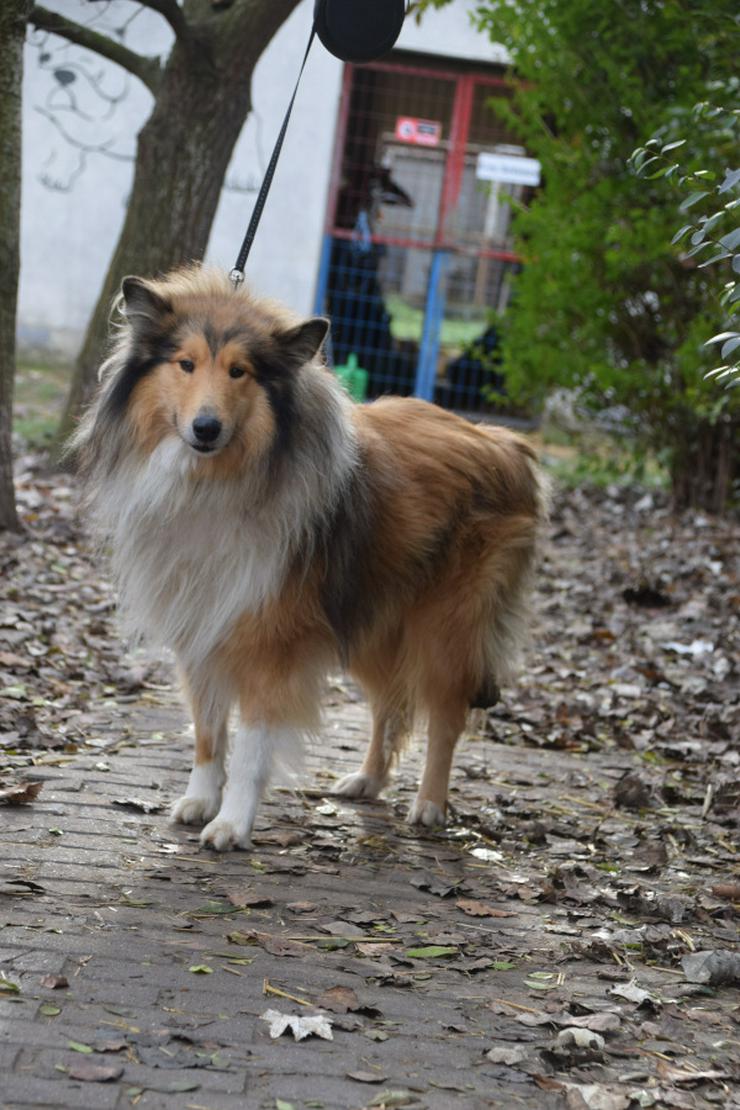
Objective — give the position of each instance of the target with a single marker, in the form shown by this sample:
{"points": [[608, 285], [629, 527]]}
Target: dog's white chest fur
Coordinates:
{"points": [[188, 556]]}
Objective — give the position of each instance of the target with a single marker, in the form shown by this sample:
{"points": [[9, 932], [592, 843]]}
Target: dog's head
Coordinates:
{"points": [[208, 364]]}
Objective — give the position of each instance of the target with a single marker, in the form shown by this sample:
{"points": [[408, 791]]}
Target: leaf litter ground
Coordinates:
{"points": [[570, 940]]}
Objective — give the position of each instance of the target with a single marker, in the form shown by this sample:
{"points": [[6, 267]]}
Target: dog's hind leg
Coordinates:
{"points": [[446, 722], [210, 708], [390, 728]]}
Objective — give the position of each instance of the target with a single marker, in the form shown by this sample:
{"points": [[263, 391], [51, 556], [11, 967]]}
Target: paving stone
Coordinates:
{"points": [[20, 1089], [126, 892]]}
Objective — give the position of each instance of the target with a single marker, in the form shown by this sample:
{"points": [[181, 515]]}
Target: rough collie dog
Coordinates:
{"points": [[267, 530]]}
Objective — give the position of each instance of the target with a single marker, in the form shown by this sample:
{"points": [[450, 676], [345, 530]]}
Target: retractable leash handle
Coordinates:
{"points": [[353, 31]]}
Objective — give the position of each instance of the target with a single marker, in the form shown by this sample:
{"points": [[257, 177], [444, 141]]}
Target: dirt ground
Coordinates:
{"points": [[569, 941]]}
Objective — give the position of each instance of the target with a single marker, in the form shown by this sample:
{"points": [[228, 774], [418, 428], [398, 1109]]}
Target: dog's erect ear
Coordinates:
{"points": [[139, 299], [300, 344]]}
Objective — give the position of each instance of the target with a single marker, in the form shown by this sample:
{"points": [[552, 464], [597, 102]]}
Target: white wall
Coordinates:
{"points": [[284, 258], [450, 31], [67, 237]]}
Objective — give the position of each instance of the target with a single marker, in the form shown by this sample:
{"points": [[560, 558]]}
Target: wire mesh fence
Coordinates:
{"points": [[419, 257]]}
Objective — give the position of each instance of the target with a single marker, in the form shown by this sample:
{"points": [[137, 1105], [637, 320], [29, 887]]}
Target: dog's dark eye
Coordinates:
{"points": [[187, 365], [236, 371]]}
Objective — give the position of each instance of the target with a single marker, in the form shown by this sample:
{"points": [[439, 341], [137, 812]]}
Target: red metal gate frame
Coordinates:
{"points": [[454, 163]]}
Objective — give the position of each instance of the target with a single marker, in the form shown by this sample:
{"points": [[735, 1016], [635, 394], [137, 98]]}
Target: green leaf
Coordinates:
{"points": [[644, 165], [281, 1104], [708, 244], [692, 200], [214, 909], [716, 258], [720, 337], [7, 986], [49, 1010], [732, 178], [503, 965], [730, 346], [76, 1046], [731, 240], [680, 234], [201, 969], [386, 1099], [672, 146], [431, 952], [19, 691]]}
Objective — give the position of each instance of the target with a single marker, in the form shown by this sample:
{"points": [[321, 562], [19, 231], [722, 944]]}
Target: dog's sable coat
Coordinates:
{"points": [[266, 529]]}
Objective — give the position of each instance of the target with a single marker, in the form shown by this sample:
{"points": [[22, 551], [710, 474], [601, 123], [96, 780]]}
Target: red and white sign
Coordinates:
{"points": [[423, 132]]}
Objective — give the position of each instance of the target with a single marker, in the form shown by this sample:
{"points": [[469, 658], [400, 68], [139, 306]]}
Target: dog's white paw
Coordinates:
{"points": [[223, 835], [189, 810], [429, 814], [358, 785]]}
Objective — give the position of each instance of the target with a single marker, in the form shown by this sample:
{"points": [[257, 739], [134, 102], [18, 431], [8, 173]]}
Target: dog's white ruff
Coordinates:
{"points": [[187, 554], [191, 554]]}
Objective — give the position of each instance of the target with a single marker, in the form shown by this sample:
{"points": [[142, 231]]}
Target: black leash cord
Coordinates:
{"points": [[237, 274]]}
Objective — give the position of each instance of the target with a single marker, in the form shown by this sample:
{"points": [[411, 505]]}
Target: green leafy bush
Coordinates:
{"points": [[714, 197], [604, 305]]}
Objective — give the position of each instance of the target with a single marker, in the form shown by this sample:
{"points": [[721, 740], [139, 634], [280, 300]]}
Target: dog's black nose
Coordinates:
{"points": [[206, 428]]}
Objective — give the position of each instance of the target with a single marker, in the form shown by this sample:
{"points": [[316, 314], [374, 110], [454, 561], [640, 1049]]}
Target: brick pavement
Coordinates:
{"points": [[125, 906]]}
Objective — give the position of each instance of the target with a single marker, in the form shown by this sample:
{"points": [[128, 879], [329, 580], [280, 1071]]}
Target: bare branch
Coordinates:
{"points": [[147, 70], [172, 12]]}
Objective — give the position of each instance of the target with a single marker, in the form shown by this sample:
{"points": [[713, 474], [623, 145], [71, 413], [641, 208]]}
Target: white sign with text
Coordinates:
{"points": [[509, 169]]}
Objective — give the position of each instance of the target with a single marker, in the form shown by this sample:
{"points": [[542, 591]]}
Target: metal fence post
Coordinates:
{"points": [[426, 368]]}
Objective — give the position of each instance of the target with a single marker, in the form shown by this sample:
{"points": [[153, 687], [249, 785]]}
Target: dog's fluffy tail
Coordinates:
{"points": [[511, 583]]}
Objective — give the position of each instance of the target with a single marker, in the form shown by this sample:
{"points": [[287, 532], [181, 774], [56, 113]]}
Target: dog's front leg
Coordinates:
{"points": [[251, 758], [202, 798]]}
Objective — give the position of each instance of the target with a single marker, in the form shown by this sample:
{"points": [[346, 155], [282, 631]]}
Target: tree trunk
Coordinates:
{"points": [[705, 466], [183, 152], [13, 16]]}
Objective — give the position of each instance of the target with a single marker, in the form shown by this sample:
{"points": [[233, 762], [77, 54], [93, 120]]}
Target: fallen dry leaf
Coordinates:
{"points": [[631, 992], [712, 967], [480, 909], [507, 1054], [249, 899], [339, 1000], [595, 1096], [730, 891], [366, 1077], [54, 982], [578, 1037], [139, 804], [371, 948], [687, 1075], [95, 1073], [300, 1025], [20, 794]]}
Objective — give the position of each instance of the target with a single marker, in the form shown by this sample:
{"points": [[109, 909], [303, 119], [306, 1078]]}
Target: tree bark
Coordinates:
{"points": [[13, 16], [705, 465], [183, 152]]}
